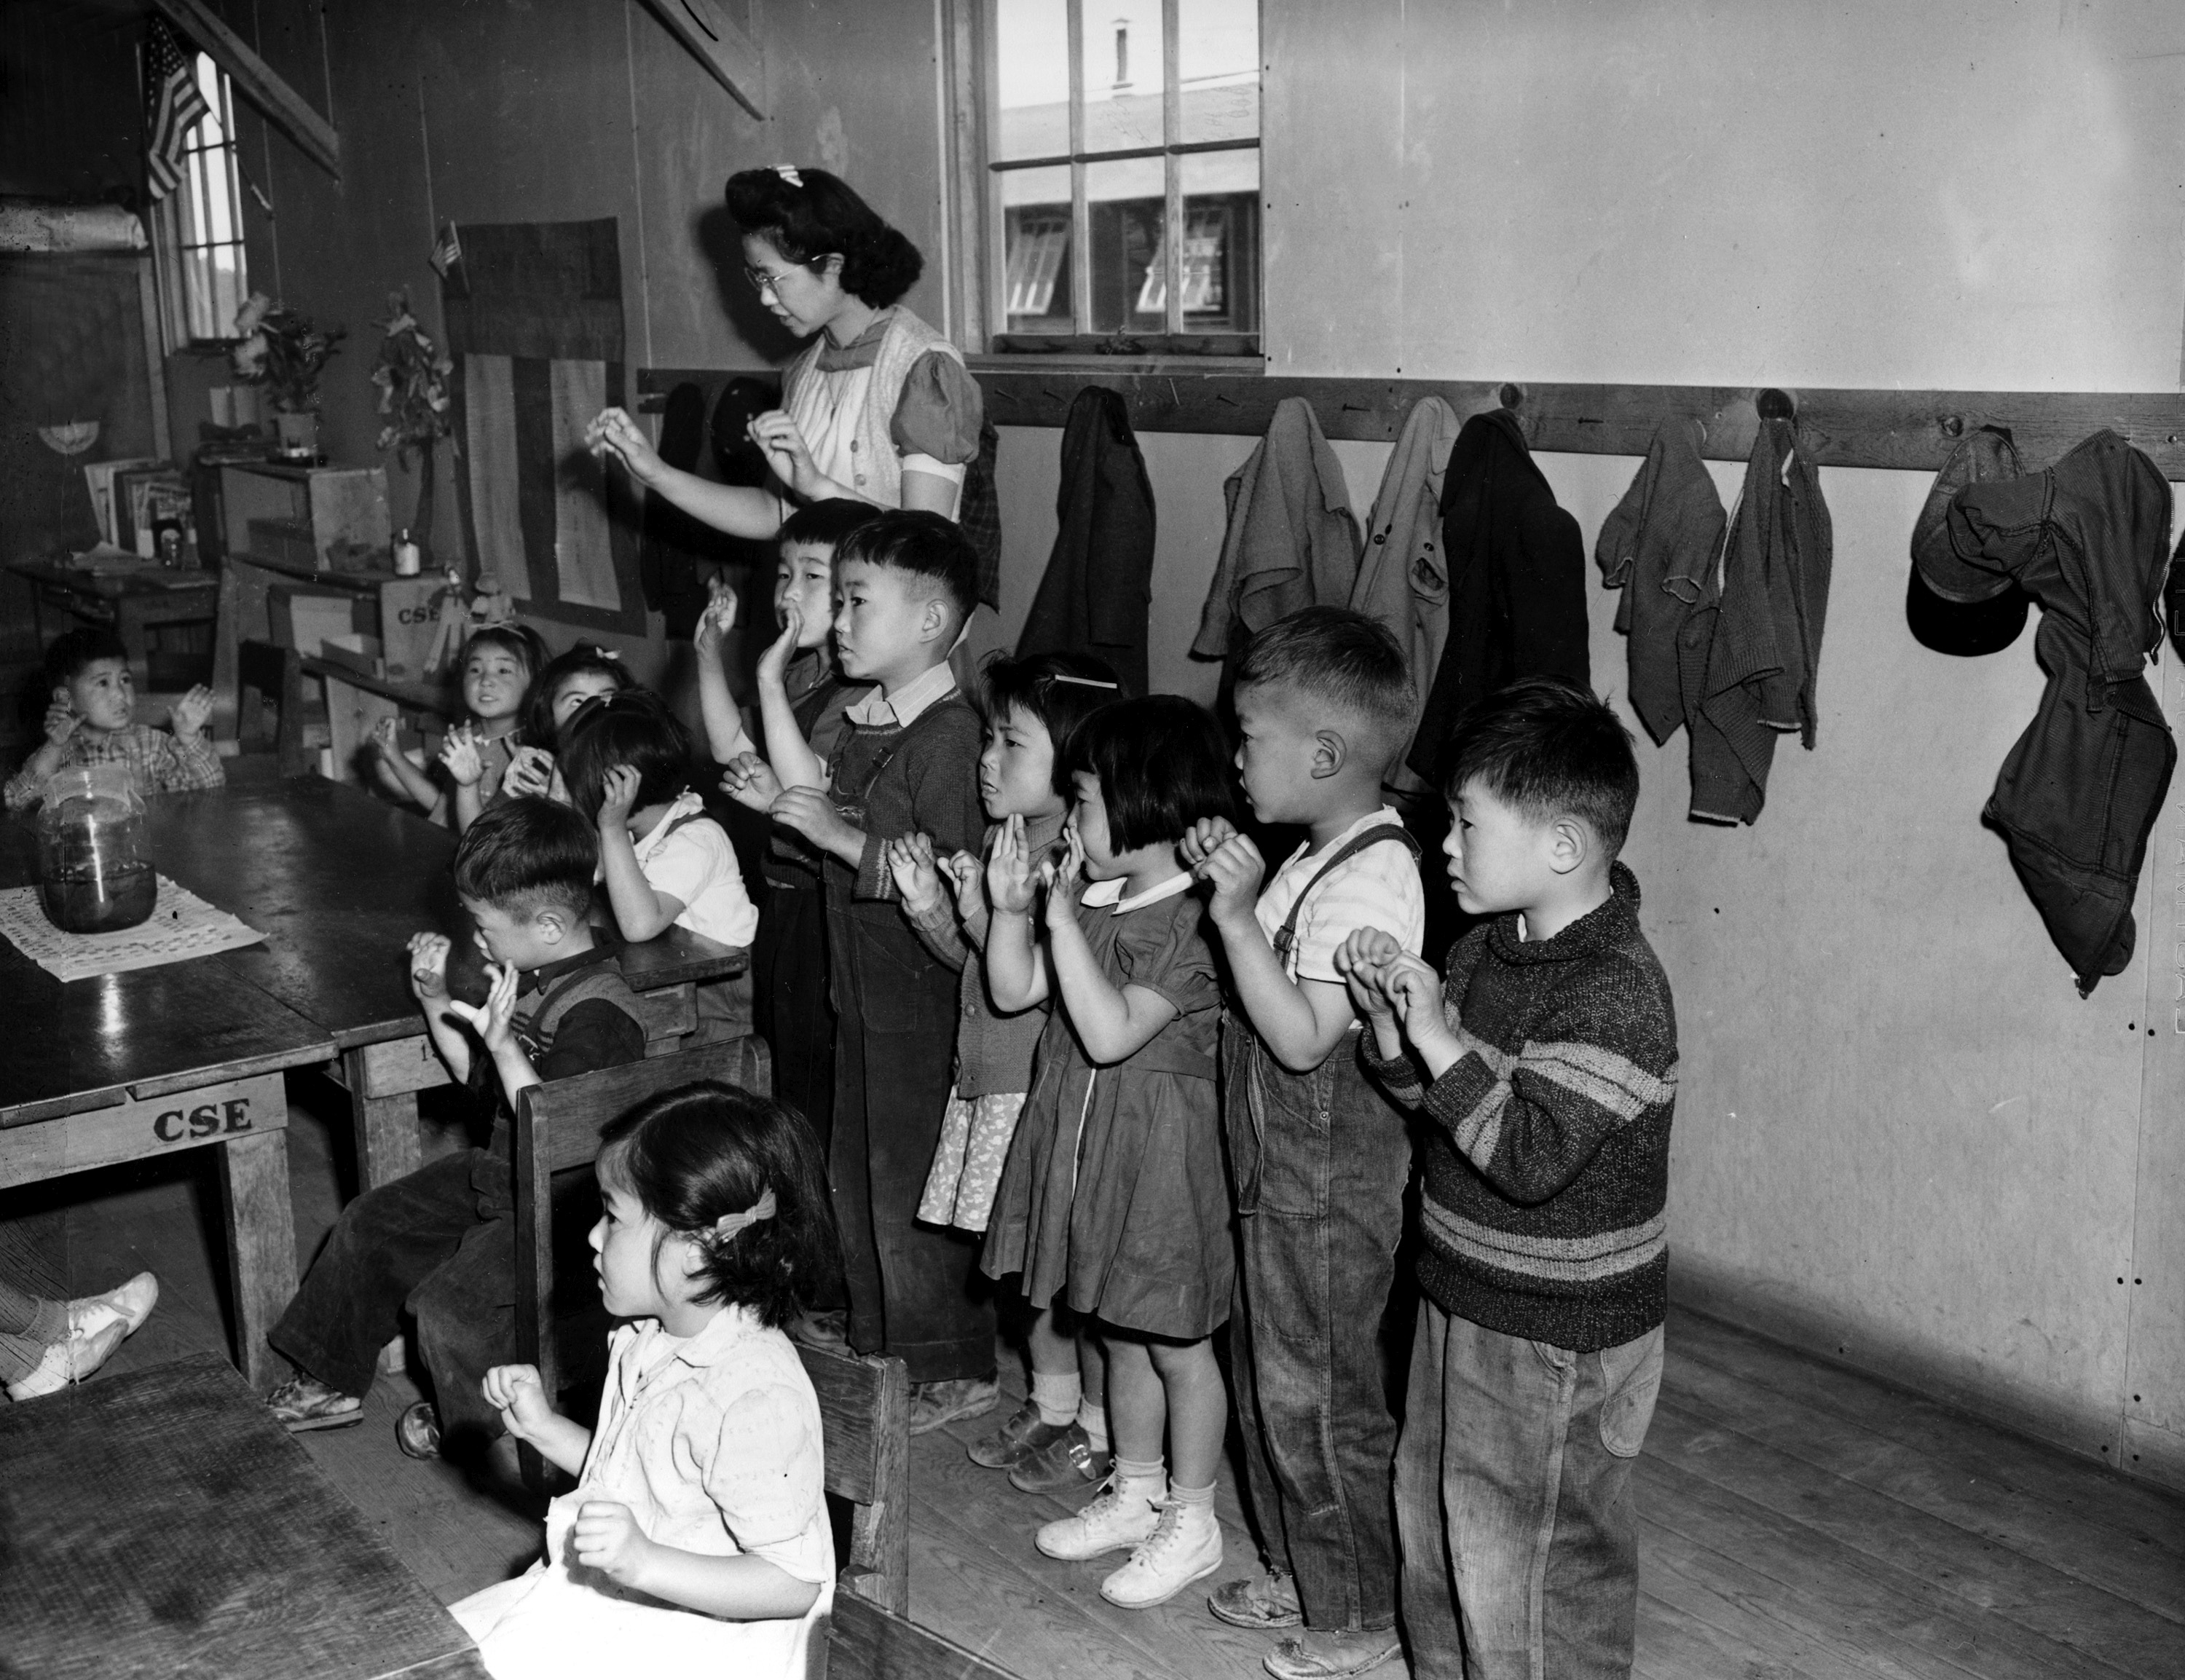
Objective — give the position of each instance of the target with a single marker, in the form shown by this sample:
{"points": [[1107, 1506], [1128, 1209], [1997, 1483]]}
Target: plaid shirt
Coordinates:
{"points": [[161, 763]]}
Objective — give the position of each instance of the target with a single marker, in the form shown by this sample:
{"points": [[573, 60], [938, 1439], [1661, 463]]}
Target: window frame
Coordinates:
{"points": [[977, 221], [173, 250]]}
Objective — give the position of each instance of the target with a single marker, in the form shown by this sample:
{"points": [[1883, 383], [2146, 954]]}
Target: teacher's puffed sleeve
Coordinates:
{"points": [[939, 412], [764, 1476]]}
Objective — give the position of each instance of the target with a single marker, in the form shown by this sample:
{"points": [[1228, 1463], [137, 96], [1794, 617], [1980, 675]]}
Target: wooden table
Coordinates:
{"points": [[162, 1524], [132, 602], [187, 1056], [338, 881], [356, 701]]}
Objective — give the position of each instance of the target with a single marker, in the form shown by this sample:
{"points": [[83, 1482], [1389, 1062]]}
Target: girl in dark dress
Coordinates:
{"points": [[1115, 1200]]}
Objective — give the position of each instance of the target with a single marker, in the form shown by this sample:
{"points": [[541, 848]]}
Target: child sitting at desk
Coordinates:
{"points": [[498, 666], [92, 720], [441, 1241], [626, 760]]}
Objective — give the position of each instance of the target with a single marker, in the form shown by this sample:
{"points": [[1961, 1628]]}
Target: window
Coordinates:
{"points": [[200, 224], [1123, 174]]}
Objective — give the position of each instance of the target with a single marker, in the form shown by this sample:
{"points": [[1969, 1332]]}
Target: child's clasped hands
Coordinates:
{"points": [[605, 1536]]}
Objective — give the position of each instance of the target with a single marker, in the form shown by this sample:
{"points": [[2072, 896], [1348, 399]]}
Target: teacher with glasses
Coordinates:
{"points": [[878, 408]]}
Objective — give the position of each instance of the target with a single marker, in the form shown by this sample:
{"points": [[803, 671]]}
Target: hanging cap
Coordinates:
{"points": [[1950, 605]]}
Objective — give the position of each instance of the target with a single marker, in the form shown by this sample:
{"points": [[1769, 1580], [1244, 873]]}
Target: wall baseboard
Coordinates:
{"points": [[2129, 1446]]}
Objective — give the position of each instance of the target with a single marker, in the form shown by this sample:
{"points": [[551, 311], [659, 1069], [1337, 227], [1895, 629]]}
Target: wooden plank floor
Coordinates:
{"points": [[1797, 1520]]}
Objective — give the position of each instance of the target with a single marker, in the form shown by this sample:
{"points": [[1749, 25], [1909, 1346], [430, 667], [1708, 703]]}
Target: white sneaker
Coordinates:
{"points": [[1115, 1519], [129, 1305], [1184, 1547], [70, 1361]]}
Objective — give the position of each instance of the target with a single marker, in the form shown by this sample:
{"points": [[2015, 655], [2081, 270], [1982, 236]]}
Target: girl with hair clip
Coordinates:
{"points": [[499, 664], [878, 408], [697, 1540], [1115, 1200], [584, 673], [1033, 706]]}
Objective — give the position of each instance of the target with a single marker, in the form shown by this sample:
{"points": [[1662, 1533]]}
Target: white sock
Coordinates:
{"points": [[1093, 1419], [1148, 1480], [1057, 1396], [1195, 1505]]}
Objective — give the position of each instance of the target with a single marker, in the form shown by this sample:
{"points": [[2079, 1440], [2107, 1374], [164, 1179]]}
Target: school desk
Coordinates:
{"points": [[161, 1523], [338, 881], [187, 1056]]}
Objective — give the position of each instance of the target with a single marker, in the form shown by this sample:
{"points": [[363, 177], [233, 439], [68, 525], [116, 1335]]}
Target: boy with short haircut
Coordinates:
{"points": [[1325, 702], [1546, 1065], [907, 764], [441, 1241], [91, 719]]}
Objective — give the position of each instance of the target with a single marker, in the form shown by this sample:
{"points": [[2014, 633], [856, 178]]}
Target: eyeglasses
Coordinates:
{"points": [[762, 283]]}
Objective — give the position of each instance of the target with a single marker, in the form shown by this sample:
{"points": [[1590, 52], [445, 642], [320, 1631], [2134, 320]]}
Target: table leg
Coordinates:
{"points": [[386, 1144], [261, 1244]]}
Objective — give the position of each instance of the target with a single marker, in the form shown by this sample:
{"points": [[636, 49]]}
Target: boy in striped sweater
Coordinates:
{"points": [[1546, 1063]]}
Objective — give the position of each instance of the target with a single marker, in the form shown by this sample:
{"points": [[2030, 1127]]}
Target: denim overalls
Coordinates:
{"points": [[1321, 1160]]}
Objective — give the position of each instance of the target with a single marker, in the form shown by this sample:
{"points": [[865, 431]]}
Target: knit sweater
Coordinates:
{"points": [[1546, 1164]]}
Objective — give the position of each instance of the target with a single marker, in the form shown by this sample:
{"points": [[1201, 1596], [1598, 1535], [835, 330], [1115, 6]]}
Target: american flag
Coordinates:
{"points": [[174, 105]]}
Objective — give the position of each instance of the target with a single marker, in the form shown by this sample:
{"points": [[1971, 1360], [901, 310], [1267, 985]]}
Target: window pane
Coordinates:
{"points": [[197, 293], [219, 206], [1123, 68], [1222, 242], [1218, 65], [1125, 201], [227, 289], [208, 131], [196, 173], [1031, 52], [1036, 250]]}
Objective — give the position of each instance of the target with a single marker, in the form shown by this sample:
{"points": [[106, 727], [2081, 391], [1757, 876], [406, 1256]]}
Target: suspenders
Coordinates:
{"points": [[1285, 938]]}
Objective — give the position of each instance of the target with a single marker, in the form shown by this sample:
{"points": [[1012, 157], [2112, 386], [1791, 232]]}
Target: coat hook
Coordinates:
{"points": [[1510, 395], [1775, 405], [1954, 426]]}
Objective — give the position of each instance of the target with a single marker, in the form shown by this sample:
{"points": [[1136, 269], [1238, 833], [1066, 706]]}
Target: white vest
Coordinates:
{"points": [[845, 416]]}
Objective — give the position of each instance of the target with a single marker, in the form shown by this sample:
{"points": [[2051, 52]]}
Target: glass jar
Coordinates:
{"points": [[95, 872]]}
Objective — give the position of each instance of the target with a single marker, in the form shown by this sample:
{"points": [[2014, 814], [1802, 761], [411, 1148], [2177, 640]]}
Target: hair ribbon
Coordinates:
{"points": [[728, 1225], [1085, 682], [788, 173]]}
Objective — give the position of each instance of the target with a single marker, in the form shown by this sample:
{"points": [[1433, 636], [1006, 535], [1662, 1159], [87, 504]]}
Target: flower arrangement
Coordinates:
{"points": [[412, 374], [412, 377], [282, 351]]}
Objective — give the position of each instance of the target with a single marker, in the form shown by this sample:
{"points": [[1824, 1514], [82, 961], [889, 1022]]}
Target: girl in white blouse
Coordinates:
{"points": [[696, 1541], [878, 407]]}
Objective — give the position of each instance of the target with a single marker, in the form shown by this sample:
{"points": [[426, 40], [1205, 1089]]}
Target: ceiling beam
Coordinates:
{"points": [[250, 77], [718, 43]]}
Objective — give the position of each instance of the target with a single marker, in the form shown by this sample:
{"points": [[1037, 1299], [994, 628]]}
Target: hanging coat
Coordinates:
{"points": [[1517, 572], [1661, 546], [1093, 595], [1749, 669], [2078, 794], [1292, 540], [1403, 581]]}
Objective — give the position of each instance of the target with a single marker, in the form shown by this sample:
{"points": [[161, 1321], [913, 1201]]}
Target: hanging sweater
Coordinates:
{"points": [[1660, 547], [1292, 540], [1516, 570], [1403, 581], [1093, 595], [1546, 1160]]}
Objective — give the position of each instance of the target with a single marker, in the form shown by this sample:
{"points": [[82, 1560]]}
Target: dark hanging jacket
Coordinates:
{"points": [[2077, 796], [1748, 668], [1517, 574], [1660, 547], [1093, 596]]}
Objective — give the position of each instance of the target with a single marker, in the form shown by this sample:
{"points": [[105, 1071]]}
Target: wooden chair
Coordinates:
{"points": [[270, 675], [864, 1418], [868, 1643], [558, 1130]]}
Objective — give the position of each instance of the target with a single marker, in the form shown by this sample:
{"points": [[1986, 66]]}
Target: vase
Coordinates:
{"points": [[296, 437]]}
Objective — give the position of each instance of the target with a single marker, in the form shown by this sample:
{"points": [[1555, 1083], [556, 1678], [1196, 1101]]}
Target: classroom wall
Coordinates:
{"points": [[1902, 1137]]}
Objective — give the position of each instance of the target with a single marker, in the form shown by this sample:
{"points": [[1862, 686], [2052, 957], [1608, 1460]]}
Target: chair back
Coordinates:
{"points": [[275, 675], [864, 1417]]}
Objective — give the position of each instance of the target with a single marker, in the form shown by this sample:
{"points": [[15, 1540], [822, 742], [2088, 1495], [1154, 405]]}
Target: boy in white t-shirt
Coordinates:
{"points": [[1325, 702], [626, 760]]}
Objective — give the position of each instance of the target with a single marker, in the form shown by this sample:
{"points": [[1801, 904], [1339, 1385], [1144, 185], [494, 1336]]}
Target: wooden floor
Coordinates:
{"points": [[1797, 1520]]}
